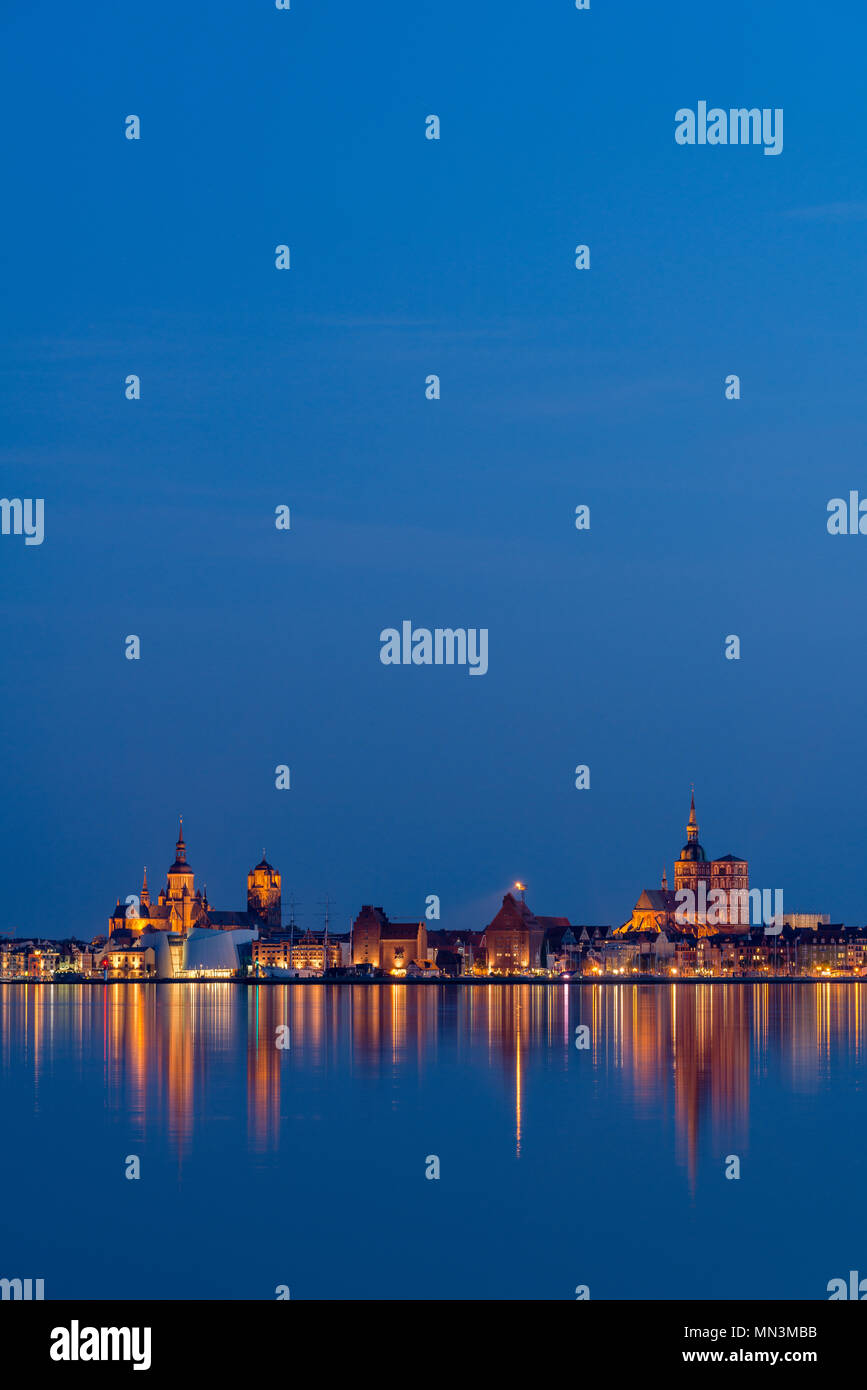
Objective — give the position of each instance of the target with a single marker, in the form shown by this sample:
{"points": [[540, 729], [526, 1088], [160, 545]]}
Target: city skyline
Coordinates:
{"points": [[180, 904], [433, 451], [710, 924]]}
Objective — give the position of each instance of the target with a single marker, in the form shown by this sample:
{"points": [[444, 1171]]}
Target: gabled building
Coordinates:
{"points": [[387, 946], [518, 941], [513, 940]]}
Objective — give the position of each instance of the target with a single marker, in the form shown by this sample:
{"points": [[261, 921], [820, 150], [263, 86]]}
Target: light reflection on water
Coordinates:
{"points": [[576, 1154]]}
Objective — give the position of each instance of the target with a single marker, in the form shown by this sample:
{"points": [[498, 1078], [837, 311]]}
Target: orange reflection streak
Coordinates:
{"points": [[695, 1052], [518, 994]]}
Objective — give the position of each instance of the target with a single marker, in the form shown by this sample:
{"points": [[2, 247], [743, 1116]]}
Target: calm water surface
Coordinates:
{"points": [[559, 1167]]}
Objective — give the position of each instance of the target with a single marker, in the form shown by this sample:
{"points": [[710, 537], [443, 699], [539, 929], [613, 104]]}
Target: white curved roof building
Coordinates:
{"points": [[206, 949]]}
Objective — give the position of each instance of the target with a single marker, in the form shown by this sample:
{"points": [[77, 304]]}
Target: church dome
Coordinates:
{"points": [[692, 852]]}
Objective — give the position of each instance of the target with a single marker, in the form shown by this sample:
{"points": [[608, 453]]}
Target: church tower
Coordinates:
{"points": [[264, 893], [179, 892], [692, 866]]}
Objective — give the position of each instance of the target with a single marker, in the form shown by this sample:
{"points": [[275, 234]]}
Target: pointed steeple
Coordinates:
{"points": [[180, 865], [145, 896], [664, 878], [692, 823]]}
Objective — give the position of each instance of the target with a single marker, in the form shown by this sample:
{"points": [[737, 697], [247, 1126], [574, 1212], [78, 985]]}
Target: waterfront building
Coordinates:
{"points": [[42, 961], [518, 941], [14, 959], [309, 951], [169, 952], [830, 948], [217, 953], [512, 942], [387, 946], [129, 962], [271, 952]]}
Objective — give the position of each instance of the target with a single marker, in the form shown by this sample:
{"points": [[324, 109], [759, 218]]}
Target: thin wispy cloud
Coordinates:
{"points": [[831, 212]]}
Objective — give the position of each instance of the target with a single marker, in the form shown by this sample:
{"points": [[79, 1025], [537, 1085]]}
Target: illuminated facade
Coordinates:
{"points": [[209, 952], [307, 953], [264, 894], [310, 950], [129, 962], [692, 868], [181, 907], [388, 946], [514, 941], [660, 909], [41, 962]]}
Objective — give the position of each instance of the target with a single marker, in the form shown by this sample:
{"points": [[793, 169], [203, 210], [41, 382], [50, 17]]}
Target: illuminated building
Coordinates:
{"points": [[514, 940], [42, 961], [210, 952], [268, 952], [728, 874], [384, 945], [263, 894], [307, 953], [181, 907], [130, 962], [657, 909]]}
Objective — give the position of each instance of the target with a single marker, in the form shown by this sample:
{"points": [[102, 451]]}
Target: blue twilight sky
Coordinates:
{"points": [[306, 387]]}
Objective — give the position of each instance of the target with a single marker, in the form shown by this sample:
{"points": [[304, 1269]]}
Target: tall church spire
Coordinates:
{"points": [[180, 865], [692, 823], [180, 888]]}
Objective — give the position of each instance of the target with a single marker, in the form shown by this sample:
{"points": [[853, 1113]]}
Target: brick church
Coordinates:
{"points": [[658, 909], [180, 906]]}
